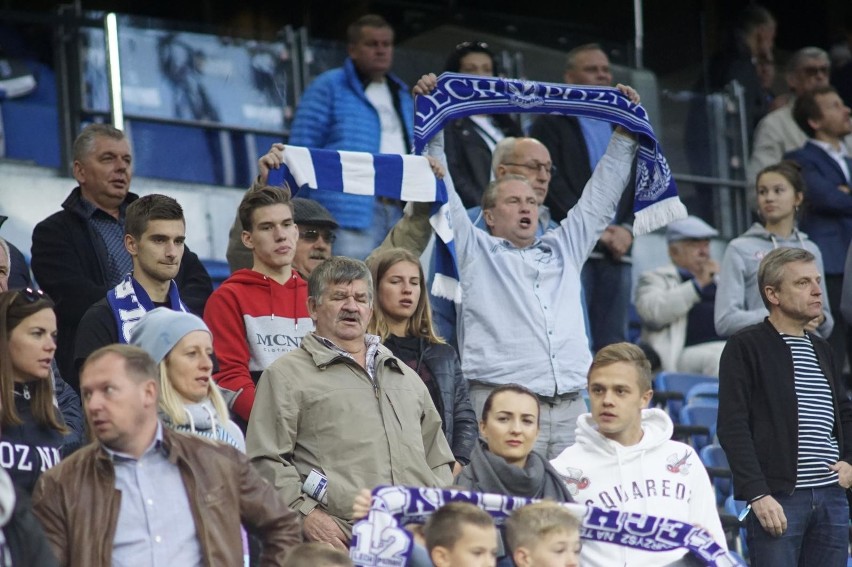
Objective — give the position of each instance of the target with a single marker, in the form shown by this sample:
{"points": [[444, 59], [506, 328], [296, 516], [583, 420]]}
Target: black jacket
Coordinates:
{"points": [[758, 412], [69, 262], [563, 137], [469, 157], [459, 419]]}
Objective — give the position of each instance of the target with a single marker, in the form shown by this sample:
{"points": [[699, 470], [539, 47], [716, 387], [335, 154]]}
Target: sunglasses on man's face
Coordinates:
{"points": [[311, 236]]}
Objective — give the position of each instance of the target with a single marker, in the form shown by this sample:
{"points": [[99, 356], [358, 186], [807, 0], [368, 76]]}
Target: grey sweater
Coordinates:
{"points": [[738, 300]]}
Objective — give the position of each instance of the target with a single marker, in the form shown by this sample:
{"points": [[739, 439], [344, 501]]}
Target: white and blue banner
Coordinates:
{"points": [[404, 177], [380, 540]]}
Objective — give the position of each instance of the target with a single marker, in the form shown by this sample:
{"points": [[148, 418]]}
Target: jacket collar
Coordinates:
{"points": [[74, 202], [324, 356]]}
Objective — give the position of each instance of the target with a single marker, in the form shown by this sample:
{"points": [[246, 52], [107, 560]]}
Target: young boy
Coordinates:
{"points": [[544, 534], [460, 534], [257, 315]]}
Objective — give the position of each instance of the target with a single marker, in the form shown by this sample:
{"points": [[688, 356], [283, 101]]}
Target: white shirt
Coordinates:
{"points": [[393, 135]]}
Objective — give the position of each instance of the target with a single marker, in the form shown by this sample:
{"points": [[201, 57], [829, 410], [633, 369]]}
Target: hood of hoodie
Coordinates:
{"points": [[286, 300], [759, 231], [656, 425]]}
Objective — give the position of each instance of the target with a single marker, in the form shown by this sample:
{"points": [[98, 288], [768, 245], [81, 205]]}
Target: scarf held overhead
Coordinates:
{"points": [[381, 540], [656, 202]]}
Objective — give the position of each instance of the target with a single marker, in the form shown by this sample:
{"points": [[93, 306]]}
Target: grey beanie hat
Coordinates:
{"points": [[159, 330]]}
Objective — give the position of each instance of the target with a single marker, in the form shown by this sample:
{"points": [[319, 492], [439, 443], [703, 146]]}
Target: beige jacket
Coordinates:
{"points": [[663, 302], [317, 409]]}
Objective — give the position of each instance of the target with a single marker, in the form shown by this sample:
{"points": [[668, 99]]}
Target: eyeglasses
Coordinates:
{"points": [[473, 44], [311, 236], [535, 166], [814, 71]]}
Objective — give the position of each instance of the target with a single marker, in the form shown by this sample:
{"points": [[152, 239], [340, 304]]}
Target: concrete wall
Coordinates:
{"points": [[29, 194]]}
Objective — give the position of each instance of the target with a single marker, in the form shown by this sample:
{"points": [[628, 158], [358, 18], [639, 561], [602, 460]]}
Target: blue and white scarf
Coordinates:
{"points": [[381, 540], [656, 202], [408, 178], [129, 302]]}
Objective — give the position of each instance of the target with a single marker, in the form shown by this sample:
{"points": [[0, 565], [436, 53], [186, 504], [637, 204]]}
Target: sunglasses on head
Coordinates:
{"points": [[32, 295], [311, 236], [473, 44]]}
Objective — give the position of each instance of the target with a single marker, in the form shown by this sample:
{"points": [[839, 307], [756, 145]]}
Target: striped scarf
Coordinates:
{"points": [[408, 178], [394, 507]]}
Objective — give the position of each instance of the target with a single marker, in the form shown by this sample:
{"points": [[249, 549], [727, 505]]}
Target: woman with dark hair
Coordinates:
{"points": [[780, 192], [503, 462], [402, 318], [469, 142], [34, 431]]}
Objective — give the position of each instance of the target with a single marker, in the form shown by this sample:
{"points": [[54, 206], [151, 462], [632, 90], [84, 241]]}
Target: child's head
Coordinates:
{"points": [[544, 534], [316, 555], [460, 534]]}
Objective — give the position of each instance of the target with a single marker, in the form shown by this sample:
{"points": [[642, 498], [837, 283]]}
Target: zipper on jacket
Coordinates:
{"points": [[26, 392]]}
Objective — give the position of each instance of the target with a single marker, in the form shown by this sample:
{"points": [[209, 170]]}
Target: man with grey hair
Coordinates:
{"points": [[787, 429], [78, 253], [778, 133], [341, 413]]}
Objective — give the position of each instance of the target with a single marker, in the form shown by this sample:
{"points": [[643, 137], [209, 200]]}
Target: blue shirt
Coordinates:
{"points": [[597, 134], [111, 231], [521, 317], [155, 525]]}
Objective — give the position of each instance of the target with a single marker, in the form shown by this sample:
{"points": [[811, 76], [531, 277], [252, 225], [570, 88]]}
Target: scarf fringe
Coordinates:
{"points": [[658, 215]]}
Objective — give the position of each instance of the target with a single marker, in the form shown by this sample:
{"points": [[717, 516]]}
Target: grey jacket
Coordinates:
{"points": [[738, 301]]}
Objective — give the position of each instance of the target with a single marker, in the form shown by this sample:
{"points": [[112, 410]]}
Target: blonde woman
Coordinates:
{"points": [[190, 401]]}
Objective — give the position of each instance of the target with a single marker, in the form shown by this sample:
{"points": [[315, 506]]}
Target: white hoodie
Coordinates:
{"points": [[656, 476]]}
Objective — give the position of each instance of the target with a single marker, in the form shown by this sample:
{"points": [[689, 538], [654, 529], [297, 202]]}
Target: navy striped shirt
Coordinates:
{"points": [[817, 444]]}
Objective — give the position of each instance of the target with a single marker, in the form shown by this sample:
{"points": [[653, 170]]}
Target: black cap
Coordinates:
{"points": [[308, 211]]}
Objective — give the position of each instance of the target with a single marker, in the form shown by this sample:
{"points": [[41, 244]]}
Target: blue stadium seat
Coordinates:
{"points": [[714, 458], [701, 413], [676, 386], [704, 391], [218, 270]]}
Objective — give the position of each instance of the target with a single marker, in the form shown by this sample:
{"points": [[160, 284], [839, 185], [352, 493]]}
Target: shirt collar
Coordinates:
{"points": [[156, 445], [829, 149]]}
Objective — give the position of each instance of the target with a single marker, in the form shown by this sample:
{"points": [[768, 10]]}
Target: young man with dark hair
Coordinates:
{"points": [[155, 235], [259, 314], [624, 458]]}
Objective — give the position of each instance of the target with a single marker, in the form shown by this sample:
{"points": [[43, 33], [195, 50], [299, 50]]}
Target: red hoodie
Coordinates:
{"points": [[254, 320]]}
